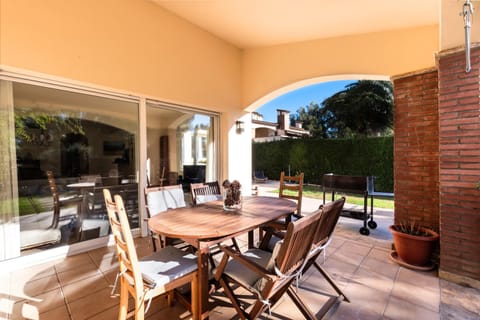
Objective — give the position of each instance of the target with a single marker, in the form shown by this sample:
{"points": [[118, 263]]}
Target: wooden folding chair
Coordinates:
{"points": [[151, 276], [61, 200], [330, 213], [204, 193], [290, 187], [161, 199], [328, 221], [268, 275]]}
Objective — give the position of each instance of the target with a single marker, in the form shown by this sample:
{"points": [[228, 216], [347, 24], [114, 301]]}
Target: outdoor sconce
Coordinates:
{"points": [[239, 125]]}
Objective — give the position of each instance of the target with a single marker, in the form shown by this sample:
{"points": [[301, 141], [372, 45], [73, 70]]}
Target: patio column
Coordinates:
{"points": [[416, 144], [459, 134]]}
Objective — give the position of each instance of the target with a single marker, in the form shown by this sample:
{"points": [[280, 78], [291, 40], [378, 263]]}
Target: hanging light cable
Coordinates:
{"points": [[467, 19]]}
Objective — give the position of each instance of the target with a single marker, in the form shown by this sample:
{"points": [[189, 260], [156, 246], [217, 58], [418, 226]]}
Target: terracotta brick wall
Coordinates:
{"points": [[459, 134], [416, 145]]}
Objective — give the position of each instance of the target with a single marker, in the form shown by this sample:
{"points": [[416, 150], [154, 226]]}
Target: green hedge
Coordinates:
{"points": [[367, 156]]}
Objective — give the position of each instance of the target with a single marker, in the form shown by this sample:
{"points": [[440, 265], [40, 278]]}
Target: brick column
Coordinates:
{"points": [[459, 134], [416, 145]]}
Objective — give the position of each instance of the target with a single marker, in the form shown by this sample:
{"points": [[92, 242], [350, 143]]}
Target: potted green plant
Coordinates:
{"points": [[414, 244]]}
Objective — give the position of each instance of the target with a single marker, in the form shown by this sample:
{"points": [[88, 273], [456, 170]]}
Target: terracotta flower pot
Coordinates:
{"points": [[413, 249]]}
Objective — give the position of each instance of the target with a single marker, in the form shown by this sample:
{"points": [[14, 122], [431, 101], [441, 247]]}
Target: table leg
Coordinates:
{"points": [[81, 213], [203, 287], [251, 238]]}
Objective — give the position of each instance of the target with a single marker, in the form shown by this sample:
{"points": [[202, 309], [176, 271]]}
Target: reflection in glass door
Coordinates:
{"points": [[68, 146], [181, 147]]}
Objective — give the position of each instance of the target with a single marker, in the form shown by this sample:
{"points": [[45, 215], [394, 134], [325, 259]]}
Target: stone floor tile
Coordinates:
{"points": [[32, 273], [384, 267], [110, 276], [339, 265], [348, 255], [108, 263], [459, 302], [400, 309], [426, 280], [355, 248], [34, 287], [108, 314], [24, 310], [337, 241], [73, 262], [4, 285], [417, 295], [370, 300], [347, 311], [381, 254], [78, 273], [374, 280], [60, 313], [6, 306], [38, 304], [102, 253], [92, 304], [87, 286], [176, 312]]}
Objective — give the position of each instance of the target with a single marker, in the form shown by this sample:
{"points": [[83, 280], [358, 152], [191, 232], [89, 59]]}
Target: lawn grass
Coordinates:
{"points": [[28, 206], [315, 192]]}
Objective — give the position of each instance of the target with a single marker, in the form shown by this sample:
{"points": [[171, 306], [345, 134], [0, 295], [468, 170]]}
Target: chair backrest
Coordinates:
{"points": [[205, 192], [96, 178], [55, 197], [125, 246], [259, 175], [328, 221], [297, 243], [160, 199], [293, 184]]}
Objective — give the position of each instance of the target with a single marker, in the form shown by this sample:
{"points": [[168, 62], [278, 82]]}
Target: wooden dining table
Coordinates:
{"points": [[208, 224], [83, 188]]}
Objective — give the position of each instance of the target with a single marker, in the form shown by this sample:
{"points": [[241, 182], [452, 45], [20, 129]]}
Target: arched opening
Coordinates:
{"points": [[341, 154]]}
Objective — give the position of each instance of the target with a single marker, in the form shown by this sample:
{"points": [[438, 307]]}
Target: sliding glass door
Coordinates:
{"points": [[62, 145], [181, 146], [65, 147]]}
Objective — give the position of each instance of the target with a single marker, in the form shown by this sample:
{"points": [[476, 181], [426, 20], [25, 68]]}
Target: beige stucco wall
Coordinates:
{"points": [[452, 31], [136, 46], [374, 54], [132, 46], [128, 45]]}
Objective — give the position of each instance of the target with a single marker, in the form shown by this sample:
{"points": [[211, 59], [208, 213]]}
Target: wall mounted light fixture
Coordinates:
{"points": [[239, 125]]}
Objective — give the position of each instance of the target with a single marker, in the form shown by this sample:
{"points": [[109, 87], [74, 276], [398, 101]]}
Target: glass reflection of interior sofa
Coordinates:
{"points": [[192, 174]]}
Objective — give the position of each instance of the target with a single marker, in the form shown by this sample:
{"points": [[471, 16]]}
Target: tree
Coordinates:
{"points": [[364, 108], [312, 119]]}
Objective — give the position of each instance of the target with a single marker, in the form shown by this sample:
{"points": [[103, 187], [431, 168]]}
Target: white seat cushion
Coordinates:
{"points": [[162, 200], [156, 202], [242, 274], [168, 264], [208, 198], [174, 198], [103, 225], [39, 237]]}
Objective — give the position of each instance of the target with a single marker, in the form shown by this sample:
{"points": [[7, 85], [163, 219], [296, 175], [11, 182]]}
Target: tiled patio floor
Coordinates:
{"points": [[79, 287]]}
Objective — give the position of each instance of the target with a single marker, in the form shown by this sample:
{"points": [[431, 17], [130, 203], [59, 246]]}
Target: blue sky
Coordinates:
{"points": [[301, 97]]}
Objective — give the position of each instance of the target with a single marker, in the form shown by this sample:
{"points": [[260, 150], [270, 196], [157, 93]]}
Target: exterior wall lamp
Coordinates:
{"points": [[240, 126]]}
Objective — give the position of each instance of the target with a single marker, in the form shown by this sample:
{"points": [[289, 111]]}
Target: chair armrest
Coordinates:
{"points": [[240, 258]]}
